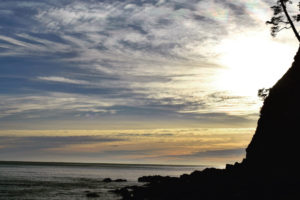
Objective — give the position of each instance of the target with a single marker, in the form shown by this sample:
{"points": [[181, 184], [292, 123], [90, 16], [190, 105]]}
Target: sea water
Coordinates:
{"points": [[74, 181]]}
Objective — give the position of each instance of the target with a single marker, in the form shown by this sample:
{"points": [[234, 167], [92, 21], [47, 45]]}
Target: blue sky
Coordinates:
{"points": [[116, 65]]}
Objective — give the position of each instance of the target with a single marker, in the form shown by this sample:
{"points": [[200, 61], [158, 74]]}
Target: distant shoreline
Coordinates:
{"points": [[38, 163]]}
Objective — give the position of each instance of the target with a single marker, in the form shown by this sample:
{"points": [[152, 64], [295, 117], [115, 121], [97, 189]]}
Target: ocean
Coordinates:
{"points": [[30, 181]]}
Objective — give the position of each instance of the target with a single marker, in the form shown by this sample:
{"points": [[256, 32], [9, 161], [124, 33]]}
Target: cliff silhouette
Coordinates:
{"points": [[275, 144], [270, 169]]}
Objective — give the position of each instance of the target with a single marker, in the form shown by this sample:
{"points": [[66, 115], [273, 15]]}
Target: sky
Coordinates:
{"points": [[135, 81]]}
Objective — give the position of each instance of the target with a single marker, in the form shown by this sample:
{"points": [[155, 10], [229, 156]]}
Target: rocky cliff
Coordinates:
{"points": [[275, 145]]}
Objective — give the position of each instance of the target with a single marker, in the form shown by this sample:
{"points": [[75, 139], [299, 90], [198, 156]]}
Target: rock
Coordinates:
{"points": [[120, 180], [154, 179], [149, 179], [107, 180], [275, 144], [92, 195]]}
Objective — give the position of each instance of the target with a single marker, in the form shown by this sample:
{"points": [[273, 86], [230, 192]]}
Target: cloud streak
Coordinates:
{"points": [[62, 80], [133, 58], [223, 153], [207, 146]]}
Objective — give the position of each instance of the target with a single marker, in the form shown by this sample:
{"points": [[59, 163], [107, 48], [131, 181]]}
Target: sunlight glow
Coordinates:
{"points": [[252, 62]]}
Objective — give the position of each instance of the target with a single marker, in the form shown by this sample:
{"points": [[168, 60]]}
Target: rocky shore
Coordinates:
{"points": [[214, 184]]}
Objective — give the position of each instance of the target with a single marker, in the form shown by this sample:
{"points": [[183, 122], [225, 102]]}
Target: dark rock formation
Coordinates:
{"points": [[107, 180], [120, 180], [269, 171], [275, 145], [154, 179], [92, 195]]}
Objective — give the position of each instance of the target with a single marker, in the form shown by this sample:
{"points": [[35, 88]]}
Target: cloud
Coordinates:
{"points": [[190, 145], [140, 57], [218, 153], [62, 80], [214, 156], [35, 143], [58, 103]]}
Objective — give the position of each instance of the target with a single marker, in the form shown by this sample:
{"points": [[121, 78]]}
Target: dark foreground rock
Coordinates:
{"points": [[109, 180], [155, 179], [269, 171], [120, 180], [92, 195], [203, 185]]}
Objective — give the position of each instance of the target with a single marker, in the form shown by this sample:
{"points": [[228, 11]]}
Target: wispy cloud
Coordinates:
{"points": [[133, 58], [58, 103], [222, 153], [206, 146], [39, 145], [62, 80]]}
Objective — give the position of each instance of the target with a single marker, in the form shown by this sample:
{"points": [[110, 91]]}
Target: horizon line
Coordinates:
{"points": [[90, 163]]}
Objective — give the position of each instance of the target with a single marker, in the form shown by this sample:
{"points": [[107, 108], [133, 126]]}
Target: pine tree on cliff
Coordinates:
{"points": [[282, 20], [274, 148]]}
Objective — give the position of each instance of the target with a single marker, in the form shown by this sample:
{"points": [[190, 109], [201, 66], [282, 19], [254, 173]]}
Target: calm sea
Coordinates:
{"points": [[24, 180]]}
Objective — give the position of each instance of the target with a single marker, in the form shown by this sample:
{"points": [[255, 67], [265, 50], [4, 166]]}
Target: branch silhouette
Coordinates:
{"points": [[277, 21]]}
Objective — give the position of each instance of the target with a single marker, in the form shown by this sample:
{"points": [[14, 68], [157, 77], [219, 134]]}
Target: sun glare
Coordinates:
{"points": [[251, 63]]}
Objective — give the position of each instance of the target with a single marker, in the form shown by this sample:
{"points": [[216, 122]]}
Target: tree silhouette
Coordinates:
{"points": [[263, 93], [281, 18]]}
